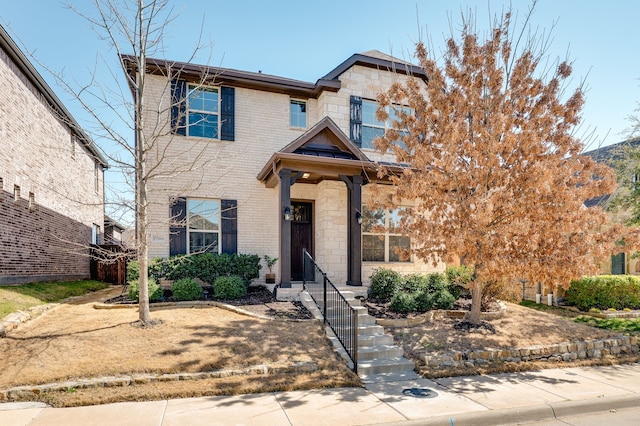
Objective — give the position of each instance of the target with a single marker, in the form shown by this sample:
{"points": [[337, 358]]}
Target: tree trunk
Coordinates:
{"points": [[476, 302], [141, 180]]}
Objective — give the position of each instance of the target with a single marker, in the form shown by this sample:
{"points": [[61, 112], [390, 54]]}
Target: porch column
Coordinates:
{"points": [[354, 233], [285, 229]]}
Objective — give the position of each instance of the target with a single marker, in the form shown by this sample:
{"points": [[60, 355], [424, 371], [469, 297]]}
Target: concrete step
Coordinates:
{"points": [[385, 366], [374, 340], [390, 377], [368, 353]]}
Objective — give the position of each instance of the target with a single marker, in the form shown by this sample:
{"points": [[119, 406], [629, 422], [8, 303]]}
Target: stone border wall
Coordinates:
{"points": [[569, 351]]}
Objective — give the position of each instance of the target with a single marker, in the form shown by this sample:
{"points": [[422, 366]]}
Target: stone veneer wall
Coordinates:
{"points": [[569, 351]]}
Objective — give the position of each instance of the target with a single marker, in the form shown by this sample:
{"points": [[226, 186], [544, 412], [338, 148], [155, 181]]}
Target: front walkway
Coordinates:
{"points": [[494, 399]]}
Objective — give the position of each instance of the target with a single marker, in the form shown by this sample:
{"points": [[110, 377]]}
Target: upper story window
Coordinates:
{"points": [[95, 234], [203, 225], [373, 128], [381, 237], [203, 108], [298, 113]]}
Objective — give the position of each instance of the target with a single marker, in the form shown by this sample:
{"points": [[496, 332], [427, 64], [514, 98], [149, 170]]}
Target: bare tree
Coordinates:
{"points": [[495, 169], [135, 29]]}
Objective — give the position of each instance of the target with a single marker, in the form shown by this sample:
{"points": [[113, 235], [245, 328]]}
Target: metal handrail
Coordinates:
{"points": [[336, 310]]}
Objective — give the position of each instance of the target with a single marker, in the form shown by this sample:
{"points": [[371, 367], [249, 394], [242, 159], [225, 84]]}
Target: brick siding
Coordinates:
{"points": [[49, 240]]}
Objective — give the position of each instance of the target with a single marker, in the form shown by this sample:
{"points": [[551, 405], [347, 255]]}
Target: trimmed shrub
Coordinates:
{"points": [[459, 278], [231, 287], [207, 267], [403, 303], [604, 292], [434, 294], [384, 284], [414, 283], [133, 270], [186, 289], [155, 292]]}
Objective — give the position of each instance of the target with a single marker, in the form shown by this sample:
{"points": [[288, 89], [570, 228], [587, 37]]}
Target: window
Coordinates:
{"points": [[16, 193], [202, 110], [371, 127], [95, 234], [381, 237], [32, 202], [298, 113], [203, 224]]}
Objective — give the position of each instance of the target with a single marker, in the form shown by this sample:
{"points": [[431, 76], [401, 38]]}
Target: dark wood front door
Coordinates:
{"points": [[301, 236]]}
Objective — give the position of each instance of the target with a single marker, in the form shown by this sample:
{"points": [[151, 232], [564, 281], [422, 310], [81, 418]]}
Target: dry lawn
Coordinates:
{"points": [[74, 340], [519, 328]]}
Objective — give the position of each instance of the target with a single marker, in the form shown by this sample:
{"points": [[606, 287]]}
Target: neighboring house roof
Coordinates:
{"points": [[110, 222], [272, 83], [610, 155], [21, 61]]}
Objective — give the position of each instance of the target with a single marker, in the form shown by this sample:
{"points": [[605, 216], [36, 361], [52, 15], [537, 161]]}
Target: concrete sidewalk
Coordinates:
{"points": [[478, 400]]}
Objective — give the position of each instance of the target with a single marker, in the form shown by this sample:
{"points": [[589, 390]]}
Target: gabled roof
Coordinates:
{"points": [[325, 139], [378, 60], [20, 60], [323, 152]]}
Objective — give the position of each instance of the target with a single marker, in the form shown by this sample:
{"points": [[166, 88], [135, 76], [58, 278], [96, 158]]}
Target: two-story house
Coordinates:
{"points": [[256, 163], [51, 179]]}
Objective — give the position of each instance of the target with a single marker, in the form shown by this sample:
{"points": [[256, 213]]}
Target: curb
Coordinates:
{"points": [[524, 414]]}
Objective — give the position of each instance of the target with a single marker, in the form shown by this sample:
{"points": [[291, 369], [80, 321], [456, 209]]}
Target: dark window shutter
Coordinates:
{"points": [[227, 107], [355, 120], [179, 107], [229, 226], [618, 264], [178, 227]]}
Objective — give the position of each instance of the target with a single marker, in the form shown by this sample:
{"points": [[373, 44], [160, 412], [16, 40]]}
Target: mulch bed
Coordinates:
{"points": [[379, 309], [258, 300]]}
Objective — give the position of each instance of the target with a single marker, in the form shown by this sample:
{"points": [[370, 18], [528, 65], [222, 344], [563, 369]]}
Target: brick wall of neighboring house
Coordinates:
{"points": [[45, 233], [228, 170]]}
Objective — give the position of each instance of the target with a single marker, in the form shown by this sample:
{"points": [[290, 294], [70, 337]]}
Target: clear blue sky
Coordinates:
{"points": [[306, 39]]}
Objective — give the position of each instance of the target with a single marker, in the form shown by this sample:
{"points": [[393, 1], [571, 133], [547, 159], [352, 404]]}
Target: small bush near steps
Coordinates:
{"points": [[230, 287], [155, 291], [186, 289]]}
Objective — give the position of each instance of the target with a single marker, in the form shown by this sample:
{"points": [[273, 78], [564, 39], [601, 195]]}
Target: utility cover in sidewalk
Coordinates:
{"points": [[420, 392]]}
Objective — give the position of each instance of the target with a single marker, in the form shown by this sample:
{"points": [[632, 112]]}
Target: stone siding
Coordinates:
{"points": [[217, 169], [569, 351]]}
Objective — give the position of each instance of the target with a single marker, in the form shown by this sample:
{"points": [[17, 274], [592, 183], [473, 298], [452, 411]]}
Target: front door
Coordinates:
{"points": [[301, 236]]}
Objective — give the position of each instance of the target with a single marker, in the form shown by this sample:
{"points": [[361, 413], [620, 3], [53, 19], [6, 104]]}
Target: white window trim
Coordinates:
{"points": [[306, 114], [218, 231], [189, 110], [387, 246], [388, 124]]}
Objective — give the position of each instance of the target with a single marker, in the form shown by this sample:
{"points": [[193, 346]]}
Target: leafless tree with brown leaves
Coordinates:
{"points": [[494, 166]]}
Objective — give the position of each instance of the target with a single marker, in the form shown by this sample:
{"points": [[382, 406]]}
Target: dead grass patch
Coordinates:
{"points": [[74, 341], [519, 328]]}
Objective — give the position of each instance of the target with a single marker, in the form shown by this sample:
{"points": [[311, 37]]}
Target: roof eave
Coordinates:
{"points": [[25, 66]]}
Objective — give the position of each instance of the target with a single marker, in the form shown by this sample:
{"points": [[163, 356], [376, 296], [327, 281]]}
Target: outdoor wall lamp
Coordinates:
{"points": [[287, 213], [359, 217]]}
